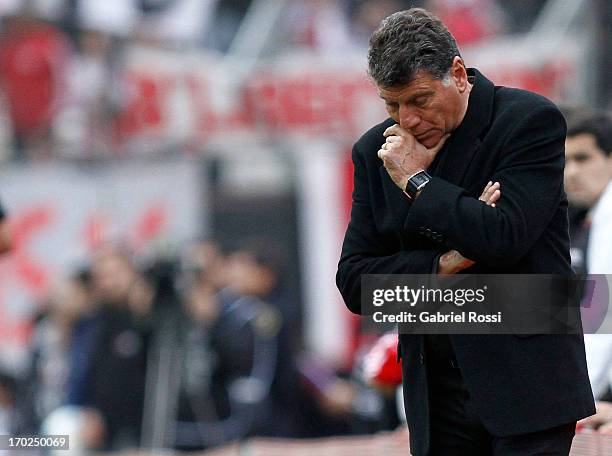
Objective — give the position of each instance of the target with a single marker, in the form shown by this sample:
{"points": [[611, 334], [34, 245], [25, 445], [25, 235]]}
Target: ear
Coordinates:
{"points": [[459, 74]]}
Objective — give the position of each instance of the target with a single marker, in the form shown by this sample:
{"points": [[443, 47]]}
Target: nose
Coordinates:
{"points": [[408, 117], [571, 169]]}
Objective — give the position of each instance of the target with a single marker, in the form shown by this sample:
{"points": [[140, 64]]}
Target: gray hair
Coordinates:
{"points": [[407, 42]]}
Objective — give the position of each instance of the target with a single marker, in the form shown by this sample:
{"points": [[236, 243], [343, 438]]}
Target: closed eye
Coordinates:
{"points": [[421, 101]]}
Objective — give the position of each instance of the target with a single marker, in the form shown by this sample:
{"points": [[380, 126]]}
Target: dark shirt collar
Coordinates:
{"points": [[480, 106], [454, 159]]}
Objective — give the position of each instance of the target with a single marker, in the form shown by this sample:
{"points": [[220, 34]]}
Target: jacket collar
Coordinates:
{"points": [[461, 147], [480, 106]]}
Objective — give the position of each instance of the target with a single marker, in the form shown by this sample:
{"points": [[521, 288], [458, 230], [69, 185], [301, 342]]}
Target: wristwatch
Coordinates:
{"points": [[416, 182]]}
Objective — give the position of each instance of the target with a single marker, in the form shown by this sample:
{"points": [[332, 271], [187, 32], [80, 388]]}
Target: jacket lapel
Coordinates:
{"points": [[464, 141]]}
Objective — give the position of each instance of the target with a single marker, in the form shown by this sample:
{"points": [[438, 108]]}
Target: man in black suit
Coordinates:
{"points": [[416, 210]]}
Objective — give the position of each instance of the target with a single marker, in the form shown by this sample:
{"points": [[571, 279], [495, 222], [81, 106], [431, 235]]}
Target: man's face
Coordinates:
{"points": [[247, 277], [112, 277], [427, 107], [587, 170]]}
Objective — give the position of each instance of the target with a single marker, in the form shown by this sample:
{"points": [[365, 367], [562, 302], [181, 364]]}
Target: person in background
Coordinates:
{"points": [[256, 271], [33, 56], [588, 177], [52, 347], [115, 384], [588, 173], [231, 354]]}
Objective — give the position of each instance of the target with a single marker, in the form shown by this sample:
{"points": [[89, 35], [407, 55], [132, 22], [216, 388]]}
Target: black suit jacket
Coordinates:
{"points": [[518, 384]]}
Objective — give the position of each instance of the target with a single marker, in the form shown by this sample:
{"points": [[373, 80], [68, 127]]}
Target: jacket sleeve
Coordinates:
{"points": [[366, 251], [530, 172]]}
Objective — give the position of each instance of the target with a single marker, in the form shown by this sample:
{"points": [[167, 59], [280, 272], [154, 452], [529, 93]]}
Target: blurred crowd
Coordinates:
{"points": [[61, 61], [189, 354]]}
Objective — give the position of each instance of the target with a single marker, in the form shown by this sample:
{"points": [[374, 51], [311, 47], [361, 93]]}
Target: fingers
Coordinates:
{"points": [[452, 262], [602, 420], [491, 193], [389, 144], [394, 139], [383, 152], [588, 422], [595, 422], [395, 130]]}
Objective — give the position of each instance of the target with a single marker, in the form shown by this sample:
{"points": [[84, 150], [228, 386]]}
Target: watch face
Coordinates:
{"points": [[420, 179], [416, 182]]}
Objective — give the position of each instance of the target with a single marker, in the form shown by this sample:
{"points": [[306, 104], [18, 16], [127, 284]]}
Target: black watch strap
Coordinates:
{"points": [[416, 182]]}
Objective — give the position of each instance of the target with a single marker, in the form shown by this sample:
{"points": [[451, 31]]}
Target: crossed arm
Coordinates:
{"points": [[402, 156], [365, 251], [452, 261], [529, 162]]}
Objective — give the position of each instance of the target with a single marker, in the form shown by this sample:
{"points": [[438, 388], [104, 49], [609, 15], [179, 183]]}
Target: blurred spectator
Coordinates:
{"points": [[81, 311], [339, 403], [588, 172], [115, 381], [255, 271], [206, 263], [61, 356], [230, 359], [51, 346], [33, 56], [84, 125]]}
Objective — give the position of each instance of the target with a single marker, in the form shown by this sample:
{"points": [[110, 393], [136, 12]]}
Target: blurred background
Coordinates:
{"points": [[176, 177]]}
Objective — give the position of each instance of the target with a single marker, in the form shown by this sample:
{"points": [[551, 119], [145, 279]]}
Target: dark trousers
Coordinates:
{"points": [[456, 430]]}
